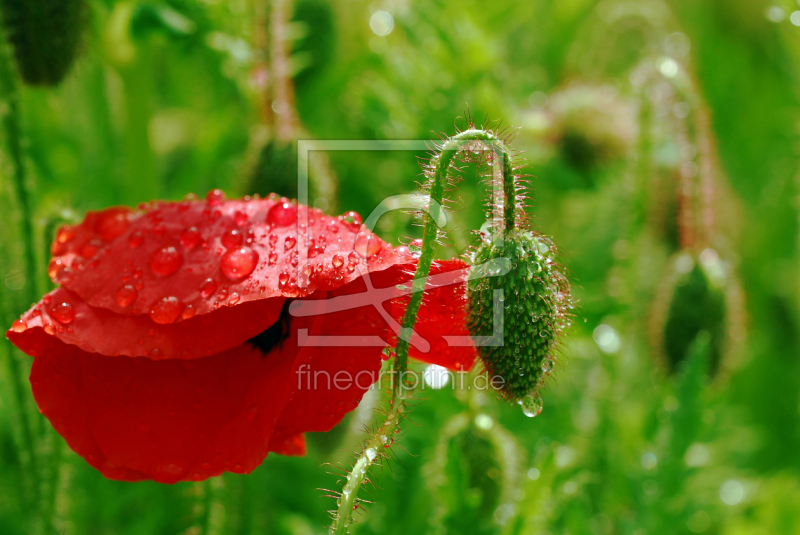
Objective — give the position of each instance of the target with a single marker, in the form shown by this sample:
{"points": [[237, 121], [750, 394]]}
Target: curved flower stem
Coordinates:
{"points": [[401, 390]]}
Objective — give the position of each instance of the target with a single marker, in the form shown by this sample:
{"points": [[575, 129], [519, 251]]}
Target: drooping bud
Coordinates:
{"points": [[46, 36], [694, 300], [472, 474], [532, 302]]}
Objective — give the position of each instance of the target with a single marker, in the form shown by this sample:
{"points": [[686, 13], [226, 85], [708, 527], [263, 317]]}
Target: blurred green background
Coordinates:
{"points": [[662, 147]]}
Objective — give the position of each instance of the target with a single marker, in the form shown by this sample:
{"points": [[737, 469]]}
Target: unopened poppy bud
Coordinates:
{"points": [[697, 303], [46, 36], [472, 474], [532, 299]]}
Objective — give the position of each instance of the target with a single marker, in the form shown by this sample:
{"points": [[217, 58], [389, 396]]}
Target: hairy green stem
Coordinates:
{"points": [[12, 130], [401, 390]]}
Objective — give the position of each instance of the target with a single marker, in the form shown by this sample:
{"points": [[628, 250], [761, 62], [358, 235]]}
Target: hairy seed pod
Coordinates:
{"points": [[697, 303], [533, 299], [590, 126], [472, 474], [46, 35]]}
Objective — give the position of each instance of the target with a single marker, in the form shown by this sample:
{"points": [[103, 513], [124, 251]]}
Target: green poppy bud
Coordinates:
{"points": [[46, 36], [535, 300]]}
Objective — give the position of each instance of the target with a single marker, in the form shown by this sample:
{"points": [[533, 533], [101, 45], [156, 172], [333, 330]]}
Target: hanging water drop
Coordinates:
{"points": [[532, 405]]}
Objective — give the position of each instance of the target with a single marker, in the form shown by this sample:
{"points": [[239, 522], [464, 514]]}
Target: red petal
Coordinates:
{"points": [[128, 261], [443, 313], [332, 373], [293, 446], [134, 418], [97, 330]]}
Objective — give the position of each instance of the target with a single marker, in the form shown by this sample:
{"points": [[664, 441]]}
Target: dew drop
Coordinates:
{"points": [[273, 258], [547, 365], [112, 223], [126, 295], [337, 261], [188, 312], [215, 197], [283, 278], [367, 244], [232, 239], [233, 299], [136, 239], [90, 248], [166, 310], [352, 220], [19, 326], [240, 218], [531, 405], [282, 214], [190, 237], [207, 288], [49, 329], [289, 243], [63, 312], [239, 263], [65, 234], [166, 261], [54, 267], [371, 454]]}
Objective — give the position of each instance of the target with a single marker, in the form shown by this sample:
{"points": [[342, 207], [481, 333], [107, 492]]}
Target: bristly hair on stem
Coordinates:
{"points": [[470, 145]]}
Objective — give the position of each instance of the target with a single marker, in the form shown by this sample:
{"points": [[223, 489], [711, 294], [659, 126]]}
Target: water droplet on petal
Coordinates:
{"points": [[54, 267], [273, 258], [367, 244], [190, 237], [135, 239], [112, 223], [233, 299], [289, 242], [126, 295], [239, 263], [49, 329], [240, 218], [337, 261], [166, 261], [63, 312], [283, 278], [90, 248], [232, 239], [352, 220], [282, 214], [19, 326], [188, 312], [215, 197], [65, 234], [207, 288], [167, 310]]}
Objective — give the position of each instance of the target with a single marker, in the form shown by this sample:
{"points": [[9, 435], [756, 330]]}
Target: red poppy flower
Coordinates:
{"points": [[169, 351]]}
